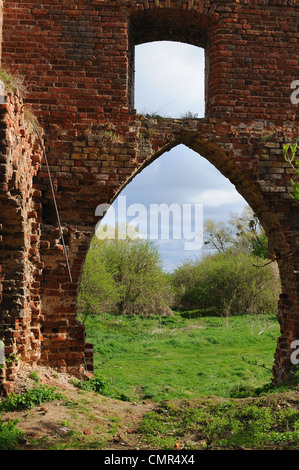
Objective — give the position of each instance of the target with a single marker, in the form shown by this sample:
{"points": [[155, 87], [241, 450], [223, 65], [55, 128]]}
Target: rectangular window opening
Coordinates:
{"points": [[169, 80]]}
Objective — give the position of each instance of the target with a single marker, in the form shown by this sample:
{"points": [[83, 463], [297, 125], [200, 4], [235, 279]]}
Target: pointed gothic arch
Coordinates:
{"points": [[82, 93]]}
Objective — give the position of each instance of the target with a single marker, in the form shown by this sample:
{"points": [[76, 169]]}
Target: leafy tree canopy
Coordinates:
{"points": [[242, 233], [125, 275]]}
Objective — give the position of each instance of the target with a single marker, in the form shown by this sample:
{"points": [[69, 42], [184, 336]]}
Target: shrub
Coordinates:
{"points": [[227, 284], [124, 276]]}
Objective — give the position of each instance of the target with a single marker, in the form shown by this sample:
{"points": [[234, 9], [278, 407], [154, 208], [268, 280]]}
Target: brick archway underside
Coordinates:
{"points": [[78, 67]]}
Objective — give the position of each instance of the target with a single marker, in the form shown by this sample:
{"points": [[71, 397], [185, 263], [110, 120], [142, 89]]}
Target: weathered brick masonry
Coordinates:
{"points": [[20, 319], [77, 59]]}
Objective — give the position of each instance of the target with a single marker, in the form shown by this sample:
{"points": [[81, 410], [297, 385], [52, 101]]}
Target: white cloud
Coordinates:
{"points": [[169, 78], [219, 197]]}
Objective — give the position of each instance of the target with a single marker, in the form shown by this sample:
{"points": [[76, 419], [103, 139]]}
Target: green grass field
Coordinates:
{"points": [[175, 357], [189, 376]]}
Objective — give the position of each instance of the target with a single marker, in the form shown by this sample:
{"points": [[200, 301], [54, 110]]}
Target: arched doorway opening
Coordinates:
{"points": [[158, 352], [164, 182]]}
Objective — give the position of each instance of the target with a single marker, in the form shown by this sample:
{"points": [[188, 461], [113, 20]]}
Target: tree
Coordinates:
{"points": [[219, 236], [98, 291], [242, 233], [125, 275]]}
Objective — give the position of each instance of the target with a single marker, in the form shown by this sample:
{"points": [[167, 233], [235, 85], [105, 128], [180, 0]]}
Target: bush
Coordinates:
{"points": [[124, 276], [226, 284]]}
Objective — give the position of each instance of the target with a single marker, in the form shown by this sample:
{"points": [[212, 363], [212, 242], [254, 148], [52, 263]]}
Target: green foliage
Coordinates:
{"points": [[100, 385], [10, 435], [98, 290], [225, 425], [226, 284], [242, 233], [219, 236], [124, 275], [260, 246], [96, 384], [289, 153], [34, 376], [31, 398]]}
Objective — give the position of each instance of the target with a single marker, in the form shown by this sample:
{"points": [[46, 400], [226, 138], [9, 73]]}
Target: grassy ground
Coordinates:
{"points": [[180, 356], [171, 383], [267, 423]]}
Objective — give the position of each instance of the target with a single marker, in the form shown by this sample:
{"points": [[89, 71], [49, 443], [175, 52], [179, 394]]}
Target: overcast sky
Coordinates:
{"points": [[169, 81]]}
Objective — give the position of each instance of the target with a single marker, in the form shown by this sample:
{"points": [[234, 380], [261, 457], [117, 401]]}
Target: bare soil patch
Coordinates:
{"points": [[86, 418]]}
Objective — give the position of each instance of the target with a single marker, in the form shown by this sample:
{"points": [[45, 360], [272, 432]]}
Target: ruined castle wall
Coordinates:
{"points": [[77, 60]]}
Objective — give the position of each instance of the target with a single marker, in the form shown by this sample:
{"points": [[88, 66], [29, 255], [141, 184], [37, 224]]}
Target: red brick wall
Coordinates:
{"points": [[20, 215], [77, 60]]}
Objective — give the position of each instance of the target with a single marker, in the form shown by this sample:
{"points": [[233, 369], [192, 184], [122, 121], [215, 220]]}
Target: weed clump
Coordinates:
{"points": [[31, 398], [12, 83], [10, 435], [99, 385]]}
